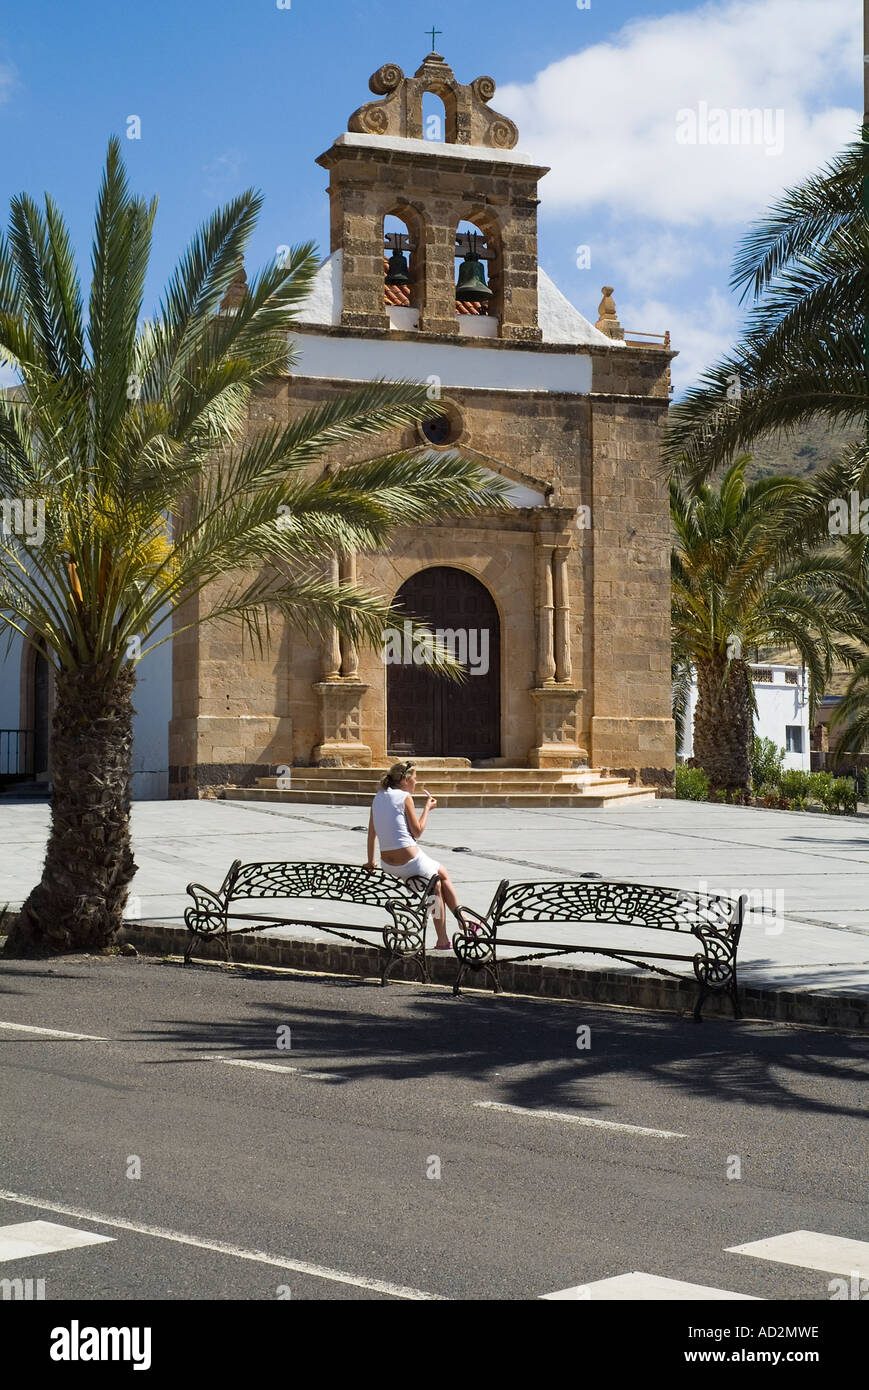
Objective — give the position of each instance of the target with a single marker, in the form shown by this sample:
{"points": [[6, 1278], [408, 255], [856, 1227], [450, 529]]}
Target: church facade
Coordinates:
{"points": [[568, 592], [559, 605]]}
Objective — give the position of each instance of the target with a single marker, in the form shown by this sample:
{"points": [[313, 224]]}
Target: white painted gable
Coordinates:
{"points": [[323, 304], [518, 494], [560, 322]]}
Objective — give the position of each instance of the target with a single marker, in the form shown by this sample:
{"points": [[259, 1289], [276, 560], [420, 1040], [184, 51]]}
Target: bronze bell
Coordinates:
{"points": [[472, 285], [398, 272]]}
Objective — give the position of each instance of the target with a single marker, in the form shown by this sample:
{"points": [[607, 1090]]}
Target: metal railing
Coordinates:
{"points": [[16, 754], [632, 335]]}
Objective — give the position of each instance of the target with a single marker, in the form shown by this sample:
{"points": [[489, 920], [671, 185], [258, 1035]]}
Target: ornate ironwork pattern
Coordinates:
{"points": [[341, 882], [206, 918], [716, 922], [409, 902], [476, 948], [632, 904]]}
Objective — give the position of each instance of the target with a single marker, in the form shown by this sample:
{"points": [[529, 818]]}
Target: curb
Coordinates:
{"points": [[656, 992]]}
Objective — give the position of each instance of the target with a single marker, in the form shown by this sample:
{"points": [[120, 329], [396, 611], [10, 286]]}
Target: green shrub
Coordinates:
{"points": [[766, 763], [834, 794], [692, 784], [843, 795], [795, 783], [819, 786], [766, 791]]}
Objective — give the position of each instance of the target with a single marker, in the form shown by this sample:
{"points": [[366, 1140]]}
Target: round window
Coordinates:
{"points": [[444, 428], [438, 429]]}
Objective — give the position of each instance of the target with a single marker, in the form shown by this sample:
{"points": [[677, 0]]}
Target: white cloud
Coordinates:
{"points": [[8, 81], [605, 119], [636, 259], [701, 334]]}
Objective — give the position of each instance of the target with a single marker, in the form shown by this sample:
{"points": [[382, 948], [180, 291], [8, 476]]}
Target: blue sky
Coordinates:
{"points": [[236, 94]]}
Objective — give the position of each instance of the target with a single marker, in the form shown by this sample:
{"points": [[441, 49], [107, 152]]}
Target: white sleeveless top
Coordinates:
{"points": [[390, 825]]}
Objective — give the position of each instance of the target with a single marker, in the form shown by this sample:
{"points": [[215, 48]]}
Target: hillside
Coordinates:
{"points": [[801, 454]]}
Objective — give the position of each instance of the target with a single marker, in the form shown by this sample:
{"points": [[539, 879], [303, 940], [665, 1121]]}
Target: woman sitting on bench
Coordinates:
{"points": [[393, 821]]}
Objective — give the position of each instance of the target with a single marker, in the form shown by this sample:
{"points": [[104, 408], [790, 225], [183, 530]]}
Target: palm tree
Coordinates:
{"points": [[132, 437], [736, 584], [849, 723], [803, 351]]}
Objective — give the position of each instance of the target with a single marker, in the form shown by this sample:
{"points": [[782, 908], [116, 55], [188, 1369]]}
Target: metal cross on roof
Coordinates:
{"points": [[435, 33]]}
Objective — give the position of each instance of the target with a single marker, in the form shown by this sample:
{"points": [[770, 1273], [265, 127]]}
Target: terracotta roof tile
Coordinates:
{"points": [[399, 295]]}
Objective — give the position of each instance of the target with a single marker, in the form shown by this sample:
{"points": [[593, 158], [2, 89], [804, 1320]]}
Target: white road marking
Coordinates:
{"points": [[576, 1119], [273, 1066], [638, 1286], [221, 1247], [811, 1250], [27, 1238], [52, 1032]]}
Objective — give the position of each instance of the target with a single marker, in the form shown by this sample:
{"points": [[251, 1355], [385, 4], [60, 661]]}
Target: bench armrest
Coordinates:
{"points": [[208, 913], [477, 941]]}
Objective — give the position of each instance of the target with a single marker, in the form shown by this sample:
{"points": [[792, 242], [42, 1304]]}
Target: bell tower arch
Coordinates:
{"points": [[384, 162]]}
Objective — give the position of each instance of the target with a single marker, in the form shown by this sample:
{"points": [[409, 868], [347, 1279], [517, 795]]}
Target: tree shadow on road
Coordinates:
{"points": [[527, 1050]]}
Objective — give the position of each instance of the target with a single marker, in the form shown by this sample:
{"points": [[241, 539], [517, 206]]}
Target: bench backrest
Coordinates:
{"points": [[632, 904], [341, 882]]}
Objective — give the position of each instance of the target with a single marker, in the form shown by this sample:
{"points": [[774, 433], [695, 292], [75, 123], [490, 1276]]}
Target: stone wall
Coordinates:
{"points": [[239, 715]]}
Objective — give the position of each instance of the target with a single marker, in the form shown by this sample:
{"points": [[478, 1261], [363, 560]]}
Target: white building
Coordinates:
{"points": [[782, 713], [27, 698]]}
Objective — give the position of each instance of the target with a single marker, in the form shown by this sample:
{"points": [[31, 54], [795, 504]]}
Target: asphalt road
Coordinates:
{"points": [[311, 1172]]}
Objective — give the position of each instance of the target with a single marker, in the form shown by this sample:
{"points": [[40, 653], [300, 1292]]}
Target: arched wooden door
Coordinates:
{"points": [[429, 715]]}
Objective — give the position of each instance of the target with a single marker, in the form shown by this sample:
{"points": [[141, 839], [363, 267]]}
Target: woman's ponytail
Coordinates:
{"points": [[395, 776]]}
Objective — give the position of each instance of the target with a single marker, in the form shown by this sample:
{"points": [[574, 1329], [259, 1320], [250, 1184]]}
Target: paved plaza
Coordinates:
{"points": [[807, 875]]}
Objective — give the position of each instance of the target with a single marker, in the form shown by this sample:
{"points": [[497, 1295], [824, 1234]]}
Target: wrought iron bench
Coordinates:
{"points": [[409, 903], [715, 922]]}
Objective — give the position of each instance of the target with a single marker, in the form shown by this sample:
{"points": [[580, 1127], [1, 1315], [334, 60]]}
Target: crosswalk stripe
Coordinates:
{"points": [[27, 1238], [639, 1286], [51, 1032], [811, 1250], [221, 1247], [575, 1119]]}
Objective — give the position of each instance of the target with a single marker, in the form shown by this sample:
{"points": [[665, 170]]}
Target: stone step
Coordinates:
{"points": [[372, 775], [596, 800], [426, 762], [446, 786]]}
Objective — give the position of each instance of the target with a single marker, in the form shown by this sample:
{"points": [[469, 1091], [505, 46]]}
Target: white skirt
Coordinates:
{"points": [[421, 866]]}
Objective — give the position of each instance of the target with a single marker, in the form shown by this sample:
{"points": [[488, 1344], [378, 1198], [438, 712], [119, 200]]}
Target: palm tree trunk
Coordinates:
{"points": [[79, 902], [723, 725]]}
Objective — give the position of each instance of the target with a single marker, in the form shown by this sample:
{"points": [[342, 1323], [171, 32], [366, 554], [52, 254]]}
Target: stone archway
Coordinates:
{"points": [[428, 715]]}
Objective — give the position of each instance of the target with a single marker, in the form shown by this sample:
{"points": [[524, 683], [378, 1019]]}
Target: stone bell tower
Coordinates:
{"points": [[383, 166]]}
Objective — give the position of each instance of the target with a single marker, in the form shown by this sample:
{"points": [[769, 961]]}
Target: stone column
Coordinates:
{"points": [[563, 664], [331, 641], [340, 691], [439, 286], [545, 613], [349, 653]]}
